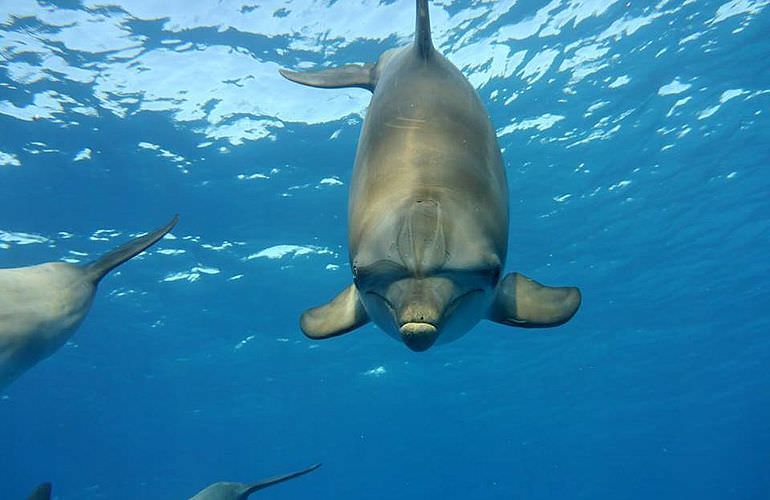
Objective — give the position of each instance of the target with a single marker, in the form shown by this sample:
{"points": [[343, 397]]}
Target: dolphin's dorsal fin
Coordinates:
{"points": [[251, 488], [42, 492], [350, 75], [343, 314], [520, 301], [99, 268], [422, 39]]}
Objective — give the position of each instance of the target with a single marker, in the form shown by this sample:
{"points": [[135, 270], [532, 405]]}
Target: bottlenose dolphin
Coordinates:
{"points": [[241, 491], [42, 492], [428, 208], [41, 306]]}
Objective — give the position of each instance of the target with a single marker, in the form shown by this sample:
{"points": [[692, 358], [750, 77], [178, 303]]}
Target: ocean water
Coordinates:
{"points": [[635, 139]]}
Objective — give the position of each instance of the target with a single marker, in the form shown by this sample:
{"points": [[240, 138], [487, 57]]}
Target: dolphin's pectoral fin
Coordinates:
{"points": [[343, 314], [350, 75], [100, 267], [251, 488], [524, 302]]}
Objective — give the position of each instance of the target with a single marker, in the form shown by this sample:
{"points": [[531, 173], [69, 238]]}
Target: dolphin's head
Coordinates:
{"points": [[427, 284]]}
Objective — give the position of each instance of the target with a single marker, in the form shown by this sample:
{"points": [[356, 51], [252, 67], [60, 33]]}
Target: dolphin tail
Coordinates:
{"points": [[523, 302], [422, 39], [42, 492], [350, 75], [342, 315], [251, 488], [99, 268]]}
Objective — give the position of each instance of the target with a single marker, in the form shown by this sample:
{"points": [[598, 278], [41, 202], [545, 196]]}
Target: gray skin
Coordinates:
{"points": [[42, 492], [41, 306], [241, 491], [428, 208], [217, 491]]}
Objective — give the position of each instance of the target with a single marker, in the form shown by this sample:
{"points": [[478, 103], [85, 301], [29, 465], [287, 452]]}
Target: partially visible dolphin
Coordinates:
{"points": [[428, 208], [42, 492], [241, 491], [41, 306]]}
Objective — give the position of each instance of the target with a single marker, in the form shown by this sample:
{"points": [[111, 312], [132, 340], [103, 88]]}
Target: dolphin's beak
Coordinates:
{"points": [[418, 336]]}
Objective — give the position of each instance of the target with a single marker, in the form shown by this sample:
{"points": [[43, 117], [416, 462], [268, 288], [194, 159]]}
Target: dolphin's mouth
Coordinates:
{"points": [[421, 335], [418, 336]]}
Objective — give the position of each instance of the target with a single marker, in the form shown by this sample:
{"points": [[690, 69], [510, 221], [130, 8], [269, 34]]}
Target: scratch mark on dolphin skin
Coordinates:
{"points": [[408, 123]]}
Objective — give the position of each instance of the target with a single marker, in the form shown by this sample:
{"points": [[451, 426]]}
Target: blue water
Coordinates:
{"points": [[635, 138]]}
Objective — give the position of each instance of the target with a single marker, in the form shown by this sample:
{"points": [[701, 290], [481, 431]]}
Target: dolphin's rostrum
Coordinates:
{"points": [[428, 208]]}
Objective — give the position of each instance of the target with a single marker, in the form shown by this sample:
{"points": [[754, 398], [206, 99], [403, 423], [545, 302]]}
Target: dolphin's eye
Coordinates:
{"points": [[382, 271]]}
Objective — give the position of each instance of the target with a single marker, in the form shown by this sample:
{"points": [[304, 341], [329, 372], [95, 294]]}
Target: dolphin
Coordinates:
{"points": [[41, 306], [241, 491], [42, 492], [428, 208]]}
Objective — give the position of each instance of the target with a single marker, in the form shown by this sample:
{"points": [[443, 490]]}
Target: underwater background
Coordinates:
{"points": [[636, 141]]}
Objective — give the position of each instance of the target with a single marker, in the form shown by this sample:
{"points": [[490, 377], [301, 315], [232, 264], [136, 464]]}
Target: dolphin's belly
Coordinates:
{"points": [[427, 136]]}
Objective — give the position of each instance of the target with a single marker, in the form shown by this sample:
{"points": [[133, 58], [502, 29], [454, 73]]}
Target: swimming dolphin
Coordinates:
{"points": [[241, 491], [42, 492], [428, 208], [42, 306]]}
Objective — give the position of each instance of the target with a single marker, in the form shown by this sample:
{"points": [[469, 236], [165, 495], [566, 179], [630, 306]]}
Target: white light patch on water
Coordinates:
{"points": [[9, 159], [83, 154], [180, 160], [736, 8], [528, 27], [627, 26], [708, 112], [223, 246], [376, 372], [679, 103], [236, 277], [243, 129], [171, 251], [619, 81], [45, 105], [583, 62], [192, 275], [690, 38], [104, 235], [330, 181], [619, 185], [331, 267], [244, 177], [562, 198], [496, 61], [22, 238], [335, 134], [244, 342], [540, 123], [182, 83], [281, 251], [731, 94], [538, 65], [675, 87]]}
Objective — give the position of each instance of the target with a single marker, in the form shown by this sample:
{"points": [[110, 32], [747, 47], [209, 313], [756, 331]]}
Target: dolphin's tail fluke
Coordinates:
{"points": [[42, 492], [99, 268], [277, 479], [422, 38]]}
